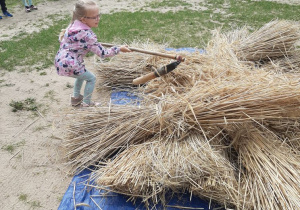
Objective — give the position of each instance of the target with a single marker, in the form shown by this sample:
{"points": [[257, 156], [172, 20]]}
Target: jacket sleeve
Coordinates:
{"points": [[95, 47]]}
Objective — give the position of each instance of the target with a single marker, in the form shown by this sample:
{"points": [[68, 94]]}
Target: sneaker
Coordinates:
{"points": [[27, 9], [7, 14], [92, 103], [76, 101], [32, 7], [0, 17]]}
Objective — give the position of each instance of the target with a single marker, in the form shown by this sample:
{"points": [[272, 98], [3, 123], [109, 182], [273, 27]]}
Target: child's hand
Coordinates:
{"points": [[124, 48]]}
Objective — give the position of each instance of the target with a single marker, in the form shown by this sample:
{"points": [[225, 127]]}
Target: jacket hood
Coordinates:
{"points": [[77, 26]]}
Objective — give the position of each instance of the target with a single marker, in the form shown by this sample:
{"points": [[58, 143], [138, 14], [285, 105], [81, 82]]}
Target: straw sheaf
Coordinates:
{"points": [[271, 176], [290, 64], [275, 39], [242, 96], [119, 71], [151, 170], [287, 130], [198, 70], [97, 134]]}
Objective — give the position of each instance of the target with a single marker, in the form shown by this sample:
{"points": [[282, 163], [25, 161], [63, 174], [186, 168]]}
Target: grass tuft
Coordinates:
{"points": [[29, 104]]}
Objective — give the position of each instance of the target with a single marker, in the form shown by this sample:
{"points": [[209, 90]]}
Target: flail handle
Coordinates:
{"points": [[175, 57], [143, 79], [157, 73]]}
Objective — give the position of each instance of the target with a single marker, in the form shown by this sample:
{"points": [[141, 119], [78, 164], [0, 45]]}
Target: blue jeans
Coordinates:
{"points": [[90, 79], [27, 3]]}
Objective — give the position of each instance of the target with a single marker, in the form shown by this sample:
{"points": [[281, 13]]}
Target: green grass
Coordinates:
{"points": [[12, 147], [68, 85], [29, 104], [2, 83], [23, 197], [158, 27], [37, 48], [9, 148], [33, 204], [167, 3], [186, 28], [51, 95]]}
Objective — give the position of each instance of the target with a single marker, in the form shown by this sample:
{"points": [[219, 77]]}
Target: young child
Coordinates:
{"points": [[75, 42], [29, 6]]}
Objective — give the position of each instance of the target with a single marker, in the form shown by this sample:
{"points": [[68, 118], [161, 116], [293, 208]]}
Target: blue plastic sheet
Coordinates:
{"points": [[78, 193], [86, 198], [123, 97]]}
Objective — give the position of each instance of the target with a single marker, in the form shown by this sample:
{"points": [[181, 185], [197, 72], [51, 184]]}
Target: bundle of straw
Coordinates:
{"points": [[97, 134], [290, 64], [272, 169], [242, 96], [275, 39], [119, 71], [152, 170], [288, 130]]}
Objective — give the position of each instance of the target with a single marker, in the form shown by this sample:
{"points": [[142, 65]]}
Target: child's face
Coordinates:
{"points": [[92, 17]]}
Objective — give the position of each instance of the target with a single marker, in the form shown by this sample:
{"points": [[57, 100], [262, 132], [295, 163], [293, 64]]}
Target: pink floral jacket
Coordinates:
{"points": [[78, 40]]}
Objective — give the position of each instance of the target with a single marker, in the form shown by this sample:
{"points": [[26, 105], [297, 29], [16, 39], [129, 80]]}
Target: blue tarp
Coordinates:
{"points": [[80, 194], [87, 198], [123, 97]]}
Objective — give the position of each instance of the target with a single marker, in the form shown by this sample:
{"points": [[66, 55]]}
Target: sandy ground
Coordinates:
{"points": [[32, 174]]}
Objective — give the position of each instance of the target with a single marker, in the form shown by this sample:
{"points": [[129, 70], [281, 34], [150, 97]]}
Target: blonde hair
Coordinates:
{"points": [[80, 10], [81, 7]]}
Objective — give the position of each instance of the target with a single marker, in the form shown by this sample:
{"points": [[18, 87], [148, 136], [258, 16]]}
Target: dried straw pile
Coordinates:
{"points": [[272, 168], [151, 169], [275, 39], [119, 71], [285, 64], [217, 127], [122, 72], [98, 133]]}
